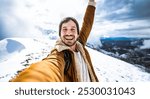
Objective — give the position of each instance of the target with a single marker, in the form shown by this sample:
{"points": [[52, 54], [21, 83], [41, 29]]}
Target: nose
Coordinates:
{"points": [[69, 32]]}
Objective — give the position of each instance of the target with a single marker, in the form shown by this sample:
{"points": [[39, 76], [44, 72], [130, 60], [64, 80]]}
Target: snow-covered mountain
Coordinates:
{"points": [[135, 50], [18, 53]]}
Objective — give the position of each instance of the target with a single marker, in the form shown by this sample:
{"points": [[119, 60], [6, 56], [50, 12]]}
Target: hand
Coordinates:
{"points": [[91, 0]]}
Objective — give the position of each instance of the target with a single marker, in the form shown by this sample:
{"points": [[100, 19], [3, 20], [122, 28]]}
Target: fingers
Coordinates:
{"points": [[91, 0]]}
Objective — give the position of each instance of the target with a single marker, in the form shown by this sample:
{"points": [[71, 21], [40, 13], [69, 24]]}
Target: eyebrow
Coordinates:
{"points": [[71, 27]]}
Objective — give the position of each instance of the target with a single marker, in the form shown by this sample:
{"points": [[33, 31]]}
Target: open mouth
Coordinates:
{"points": [[69, 37]]}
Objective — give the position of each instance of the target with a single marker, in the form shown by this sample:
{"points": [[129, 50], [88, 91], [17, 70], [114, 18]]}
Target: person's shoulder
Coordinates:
{"points": [[54, 51], [55, 54]]}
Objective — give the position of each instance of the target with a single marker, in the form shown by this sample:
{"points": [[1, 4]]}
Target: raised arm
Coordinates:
{"points": [[87, 22]]}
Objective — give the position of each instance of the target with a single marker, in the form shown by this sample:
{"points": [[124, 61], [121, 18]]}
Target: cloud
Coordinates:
{"points": [[141, 8], [146, 44], [123, 18], [119, 10], [5, 6], [113, 17], [23, 18], [13, 21]]}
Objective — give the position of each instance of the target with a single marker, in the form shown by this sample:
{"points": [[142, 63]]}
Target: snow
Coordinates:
{"points": [[9, 47], [146, 44], [33, 50], [18, 53], [110, 69]]}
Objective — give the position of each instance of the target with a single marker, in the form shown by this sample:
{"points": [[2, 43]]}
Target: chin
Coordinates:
{"points": [[70, 43]]}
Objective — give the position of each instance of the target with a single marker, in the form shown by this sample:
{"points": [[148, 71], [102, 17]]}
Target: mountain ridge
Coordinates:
{"points": [[108, 69]]}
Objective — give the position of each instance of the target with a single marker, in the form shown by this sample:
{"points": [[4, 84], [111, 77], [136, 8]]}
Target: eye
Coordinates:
{"points": [[64, 29], [73, 30]]}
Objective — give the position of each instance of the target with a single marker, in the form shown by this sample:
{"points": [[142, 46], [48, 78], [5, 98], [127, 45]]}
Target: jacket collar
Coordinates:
{"points": [[60, 46]]}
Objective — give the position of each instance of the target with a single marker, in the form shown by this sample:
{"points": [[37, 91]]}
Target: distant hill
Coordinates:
{"points": [[132, 50]]}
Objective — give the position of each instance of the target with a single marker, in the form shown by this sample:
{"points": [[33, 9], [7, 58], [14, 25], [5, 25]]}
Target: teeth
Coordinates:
{"points": [[68, 37]]}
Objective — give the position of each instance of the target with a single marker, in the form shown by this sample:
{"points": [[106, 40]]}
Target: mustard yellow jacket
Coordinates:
{"points": [[51, 69]]}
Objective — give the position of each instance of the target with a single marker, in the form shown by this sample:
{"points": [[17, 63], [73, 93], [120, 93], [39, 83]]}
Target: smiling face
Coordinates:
{"points": [[69, 33]]}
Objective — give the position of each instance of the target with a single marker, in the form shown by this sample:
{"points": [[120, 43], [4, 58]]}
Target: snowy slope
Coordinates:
{"points": [[113, 70], [24, 51], [33, 51]]}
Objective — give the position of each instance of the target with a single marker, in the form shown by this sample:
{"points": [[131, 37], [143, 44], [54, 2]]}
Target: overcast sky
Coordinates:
{"points": [[22, 18], [123, 18]]}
